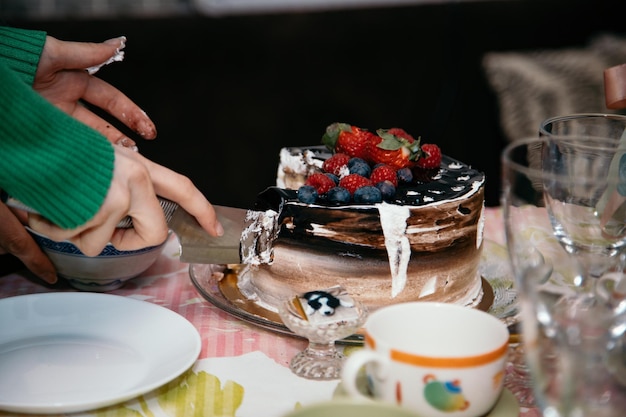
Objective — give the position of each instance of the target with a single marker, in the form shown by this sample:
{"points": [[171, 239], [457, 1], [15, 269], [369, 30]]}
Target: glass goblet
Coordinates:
{"points": [[321, 360], [610, 126], [573, 344], [584, 191]]}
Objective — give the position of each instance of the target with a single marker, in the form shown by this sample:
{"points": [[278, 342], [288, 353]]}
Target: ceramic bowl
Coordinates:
{"points": [[107, 271]]}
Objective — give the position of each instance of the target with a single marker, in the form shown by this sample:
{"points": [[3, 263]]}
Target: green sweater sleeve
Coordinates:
{"points": [[49, 160], [20, 49]]}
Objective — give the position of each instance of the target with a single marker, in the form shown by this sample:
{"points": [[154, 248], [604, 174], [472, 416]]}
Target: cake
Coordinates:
{"points": [[423, 243]]}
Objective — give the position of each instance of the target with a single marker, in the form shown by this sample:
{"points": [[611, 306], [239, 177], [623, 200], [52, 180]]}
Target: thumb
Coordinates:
{"points": [[89, 55]]}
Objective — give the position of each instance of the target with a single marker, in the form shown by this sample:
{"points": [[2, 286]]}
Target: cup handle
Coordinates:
{"points": [[352, 367]]}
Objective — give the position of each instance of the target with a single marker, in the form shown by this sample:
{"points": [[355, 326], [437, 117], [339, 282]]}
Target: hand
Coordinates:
{"points": [[63, 80], [136, 183], [15, 240]]}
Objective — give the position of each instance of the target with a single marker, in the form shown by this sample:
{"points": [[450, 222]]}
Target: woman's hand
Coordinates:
{"points": [[15, 240], [136, 183], [63, 80]]}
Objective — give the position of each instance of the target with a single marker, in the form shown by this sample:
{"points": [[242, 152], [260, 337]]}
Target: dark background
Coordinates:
{"points": [[227, 93]]}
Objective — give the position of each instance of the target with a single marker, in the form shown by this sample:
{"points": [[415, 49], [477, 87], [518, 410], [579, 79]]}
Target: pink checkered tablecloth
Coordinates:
{"points": [[232, 349]]}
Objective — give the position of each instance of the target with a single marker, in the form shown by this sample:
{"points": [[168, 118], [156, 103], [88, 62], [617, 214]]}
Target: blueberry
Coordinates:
{"points": [[368, 195], [333, 177], [361, 168], [387, 190], [405, 175], [356, 160], [338, 195], [307, 194]]}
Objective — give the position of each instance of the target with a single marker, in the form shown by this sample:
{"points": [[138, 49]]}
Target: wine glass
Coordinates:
{"points": [[585, 124], [584, 196], [574, 345]]}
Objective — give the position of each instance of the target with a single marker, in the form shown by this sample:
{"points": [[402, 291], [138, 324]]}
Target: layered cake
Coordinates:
{"points": [[418, 238]]}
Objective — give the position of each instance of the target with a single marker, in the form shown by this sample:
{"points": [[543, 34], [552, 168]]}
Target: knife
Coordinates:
{"points": [[196, 245]]}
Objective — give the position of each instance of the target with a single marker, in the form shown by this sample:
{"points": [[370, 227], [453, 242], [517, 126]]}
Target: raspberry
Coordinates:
{"points": [[384, 173], [334, 164], [353, 182], [321, 182]]}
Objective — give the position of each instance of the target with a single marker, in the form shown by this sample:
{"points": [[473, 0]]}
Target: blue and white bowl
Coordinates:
{"points": [[107, 271]]}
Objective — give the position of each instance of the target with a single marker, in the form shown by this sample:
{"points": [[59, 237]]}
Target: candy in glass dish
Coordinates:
{"points": [[323, 317]]}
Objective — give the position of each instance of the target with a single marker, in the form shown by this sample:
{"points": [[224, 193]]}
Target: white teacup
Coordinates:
{"points": [[433, 358]]}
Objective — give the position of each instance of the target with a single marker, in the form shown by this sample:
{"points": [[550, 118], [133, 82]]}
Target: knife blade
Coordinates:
{"points": [[196, 245]]}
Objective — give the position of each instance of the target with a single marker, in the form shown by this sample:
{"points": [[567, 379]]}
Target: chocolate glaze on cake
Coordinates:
{"points": [[424, 245]]}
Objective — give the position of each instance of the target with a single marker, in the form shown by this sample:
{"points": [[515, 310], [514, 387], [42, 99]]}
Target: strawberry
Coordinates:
{"points": [[396, 131], [399, 149], [344, 138], [431, 157], [321, 182], [382, 173], [335, 163], [353, 182]]}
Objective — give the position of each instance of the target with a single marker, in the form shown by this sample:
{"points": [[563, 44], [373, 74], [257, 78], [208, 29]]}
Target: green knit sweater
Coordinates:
{"points": [[48, 160]]}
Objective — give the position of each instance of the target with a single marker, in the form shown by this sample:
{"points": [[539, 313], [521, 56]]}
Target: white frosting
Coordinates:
{"points": [[480, 227], [295, 164], [393, 221], [258, 237]]}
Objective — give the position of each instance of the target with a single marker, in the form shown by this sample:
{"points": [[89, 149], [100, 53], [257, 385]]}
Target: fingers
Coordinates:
{"points": [[62, 79], [180, 189], [113, 134], [110, 99], [133, 191], [14, 239], [81, 55]]}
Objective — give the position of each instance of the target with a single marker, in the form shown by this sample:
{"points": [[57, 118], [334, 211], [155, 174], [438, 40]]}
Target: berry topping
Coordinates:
{"points": [[397, 151], [368, 195], [321, 182], [344, 138], [353, 182], [431, 157], [387, 189], [384, 172], [382, 163], [307, 194], [338, 195], [405, 175], [335, 163], [359, 166]]}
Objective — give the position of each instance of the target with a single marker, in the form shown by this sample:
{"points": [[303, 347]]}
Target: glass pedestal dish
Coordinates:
{"points": [[321, 360]]}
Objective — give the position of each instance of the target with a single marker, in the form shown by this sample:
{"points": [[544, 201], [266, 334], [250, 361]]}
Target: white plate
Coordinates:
{"points": [[69, 352]]}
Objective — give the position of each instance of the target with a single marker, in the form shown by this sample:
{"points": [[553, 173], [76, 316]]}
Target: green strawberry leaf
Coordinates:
{"points": [[390, 142], [332, 134]]}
